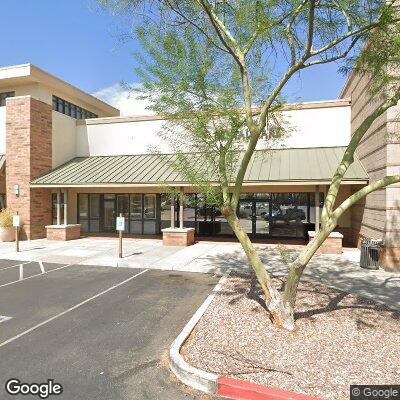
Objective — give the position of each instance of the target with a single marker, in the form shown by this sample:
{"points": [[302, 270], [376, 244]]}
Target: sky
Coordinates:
{"points": [[82, 43]]}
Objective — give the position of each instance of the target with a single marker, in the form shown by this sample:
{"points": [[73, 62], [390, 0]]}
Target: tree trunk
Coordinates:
{"points": [[297, 267], [281, 314]]}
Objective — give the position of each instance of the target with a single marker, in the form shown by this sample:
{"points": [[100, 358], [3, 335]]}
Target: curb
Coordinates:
{"points": [[243, 390], [212, 383], [191, 376]]}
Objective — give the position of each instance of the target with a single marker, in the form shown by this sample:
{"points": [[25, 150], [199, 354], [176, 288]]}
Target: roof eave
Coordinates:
{"points": [[186, 184]]}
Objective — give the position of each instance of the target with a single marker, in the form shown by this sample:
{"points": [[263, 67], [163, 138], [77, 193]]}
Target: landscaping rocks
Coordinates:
{"points": [[341, 339]]}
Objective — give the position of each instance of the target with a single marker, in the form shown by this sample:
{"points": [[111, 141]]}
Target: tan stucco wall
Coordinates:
{"points": [[27, 79], [378, 155], [63, 138], [3, 130], [377, 216], [126, 135], [45, 93]]}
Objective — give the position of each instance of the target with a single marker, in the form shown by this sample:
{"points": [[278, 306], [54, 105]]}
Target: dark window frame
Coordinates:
{"points": [[4, 96], [72, 110], [157, 219]]}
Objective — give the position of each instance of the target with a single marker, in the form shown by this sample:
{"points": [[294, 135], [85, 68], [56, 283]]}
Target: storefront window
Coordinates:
{"points": [[189, 211], [289, 215], [149, 206], [83, 211], [245, 215], [166, 210], [312, 206], [94, 213], [149, 214], [264, 214], [136, 213], [123, 208]]}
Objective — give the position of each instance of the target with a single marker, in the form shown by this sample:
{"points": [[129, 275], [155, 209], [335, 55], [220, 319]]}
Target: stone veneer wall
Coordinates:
{"points": [[378, 216], [28, 155]]}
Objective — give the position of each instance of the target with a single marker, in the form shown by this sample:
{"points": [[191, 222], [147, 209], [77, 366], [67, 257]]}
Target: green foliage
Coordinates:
{"points": [[380, 57], [6, 218], [217, 71]]}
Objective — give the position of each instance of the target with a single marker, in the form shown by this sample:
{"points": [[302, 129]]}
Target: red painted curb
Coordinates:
{"points": [[243, 390]]}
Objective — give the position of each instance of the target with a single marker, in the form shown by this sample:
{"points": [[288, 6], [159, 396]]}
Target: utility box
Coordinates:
{"points": [[370, 251]]}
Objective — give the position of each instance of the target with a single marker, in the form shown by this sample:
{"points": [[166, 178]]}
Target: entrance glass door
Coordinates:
{"points": [[262, 217], [149, 214], [123, 208], [245, 214], [109, 212]]}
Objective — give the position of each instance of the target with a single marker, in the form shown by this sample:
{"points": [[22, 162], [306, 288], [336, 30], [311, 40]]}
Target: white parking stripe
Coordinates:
{"points": [[3, 318], [21, 272], [70, 309], [41, 267], [16, 265], [33, 276]]}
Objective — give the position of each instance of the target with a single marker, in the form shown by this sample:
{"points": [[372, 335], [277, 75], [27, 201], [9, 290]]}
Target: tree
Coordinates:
{"points": [[218, 70]]}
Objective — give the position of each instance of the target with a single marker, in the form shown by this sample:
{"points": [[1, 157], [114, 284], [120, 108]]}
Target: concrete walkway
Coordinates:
{"points": [[342, 272]]}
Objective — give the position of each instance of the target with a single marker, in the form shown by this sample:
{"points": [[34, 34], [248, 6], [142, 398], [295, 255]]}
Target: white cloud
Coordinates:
{"points": [[123, 99]]}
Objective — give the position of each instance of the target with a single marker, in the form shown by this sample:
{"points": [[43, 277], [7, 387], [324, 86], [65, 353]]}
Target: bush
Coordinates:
{"points": [[6, 218]]}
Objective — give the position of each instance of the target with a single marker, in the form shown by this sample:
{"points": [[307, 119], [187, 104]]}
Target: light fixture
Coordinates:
{"points": [[16, 190]]}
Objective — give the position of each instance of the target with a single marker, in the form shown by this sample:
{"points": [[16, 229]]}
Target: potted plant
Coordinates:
{"points": [[7, 233]]}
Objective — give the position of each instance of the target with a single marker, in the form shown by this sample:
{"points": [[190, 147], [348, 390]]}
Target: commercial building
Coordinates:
{"points": [[71, 163]]}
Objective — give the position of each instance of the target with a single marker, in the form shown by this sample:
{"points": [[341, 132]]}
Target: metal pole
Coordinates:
{"points": [[66, 207], [316, 208], [172, 211], [120, 240], [59, 207], [181, 208], [17, 237]]}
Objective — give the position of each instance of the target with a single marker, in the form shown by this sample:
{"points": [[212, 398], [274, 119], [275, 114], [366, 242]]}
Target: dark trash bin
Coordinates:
{"points": [[370, 250]]}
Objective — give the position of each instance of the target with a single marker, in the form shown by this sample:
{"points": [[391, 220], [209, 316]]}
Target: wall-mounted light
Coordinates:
{"points": [[16, 190]]}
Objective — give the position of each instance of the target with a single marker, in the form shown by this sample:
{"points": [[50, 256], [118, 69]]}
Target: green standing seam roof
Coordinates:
{"points": [[266, 166]]}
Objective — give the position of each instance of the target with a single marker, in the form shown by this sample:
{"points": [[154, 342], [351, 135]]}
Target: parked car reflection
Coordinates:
{"points": [[290, 214]]}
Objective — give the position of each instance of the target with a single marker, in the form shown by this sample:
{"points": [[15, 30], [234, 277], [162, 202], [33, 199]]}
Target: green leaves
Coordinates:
{"points": [[206, 64]]}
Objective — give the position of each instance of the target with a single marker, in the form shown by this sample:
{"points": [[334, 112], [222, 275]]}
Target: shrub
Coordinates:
{"points": [[6, 217]]}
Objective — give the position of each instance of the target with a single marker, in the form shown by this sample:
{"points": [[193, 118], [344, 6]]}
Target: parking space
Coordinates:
{"points": [[100, 332]]}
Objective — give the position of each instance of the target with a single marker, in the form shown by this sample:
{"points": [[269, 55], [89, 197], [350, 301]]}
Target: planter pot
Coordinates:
{"points": [[7, 234]]}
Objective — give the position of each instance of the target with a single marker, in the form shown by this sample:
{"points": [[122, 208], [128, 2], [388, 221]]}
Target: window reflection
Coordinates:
{"points": [[189, 211], [288, 215], [245, 215]]}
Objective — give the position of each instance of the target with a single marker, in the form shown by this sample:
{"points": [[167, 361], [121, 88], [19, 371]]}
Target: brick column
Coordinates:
{"points": [[28, 155]]}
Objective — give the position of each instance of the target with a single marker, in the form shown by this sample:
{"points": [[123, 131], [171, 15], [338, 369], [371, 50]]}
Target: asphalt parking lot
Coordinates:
{"points": [[100, 332]]}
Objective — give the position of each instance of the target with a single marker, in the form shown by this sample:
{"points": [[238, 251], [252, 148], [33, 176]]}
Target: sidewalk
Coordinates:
{"points": [[339, 271]]}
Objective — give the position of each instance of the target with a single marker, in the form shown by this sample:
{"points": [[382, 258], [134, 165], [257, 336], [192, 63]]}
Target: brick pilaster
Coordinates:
{"points": [[28, 155]]}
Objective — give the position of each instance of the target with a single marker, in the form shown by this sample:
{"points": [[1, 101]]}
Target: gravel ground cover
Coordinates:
{"points": [[340, 339]]}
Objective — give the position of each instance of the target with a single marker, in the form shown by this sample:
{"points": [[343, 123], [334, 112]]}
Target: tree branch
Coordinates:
{"points": [[222, 31], [348, 156], [335, 58], [381, 183], [310, 33], [177, 10]]}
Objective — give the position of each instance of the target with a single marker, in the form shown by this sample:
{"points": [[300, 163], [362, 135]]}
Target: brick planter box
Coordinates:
{"points": [[63, 232], [178, 236], [332, 245]]}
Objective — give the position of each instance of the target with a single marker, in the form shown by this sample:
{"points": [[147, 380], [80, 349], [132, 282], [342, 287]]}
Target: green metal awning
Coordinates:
{"points": [[306, 165]]}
